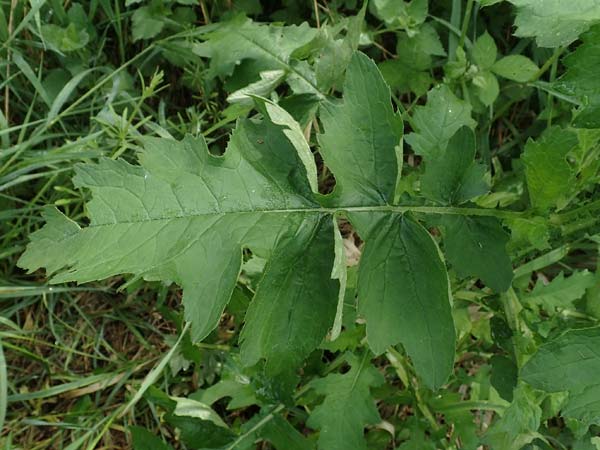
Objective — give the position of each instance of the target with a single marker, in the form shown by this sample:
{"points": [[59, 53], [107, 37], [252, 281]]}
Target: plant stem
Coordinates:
{"points": [[397, 361], [465, 24], [258, 425], [557, 52]]}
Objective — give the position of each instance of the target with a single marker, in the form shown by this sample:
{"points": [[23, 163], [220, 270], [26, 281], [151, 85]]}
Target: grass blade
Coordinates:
{"points": [[3, 388]]}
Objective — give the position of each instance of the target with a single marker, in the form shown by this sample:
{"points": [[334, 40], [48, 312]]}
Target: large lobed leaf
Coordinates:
{"points": [[185, 215]]}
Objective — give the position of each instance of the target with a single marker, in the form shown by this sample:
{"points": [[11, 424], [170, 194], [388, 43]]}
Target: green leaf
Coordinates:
{"points": [[293, 132], [504, 376], [188, 407], [339, 272], [180, 214], [476, 246], [530, 231], [555, 22], [454, 177], [185, 215], [142, 439], [347, 408], [484, 51], [397, 13], [64, 40], [283, 436], [267, 47], [400, 76], [411, 71], [239, 389], [561, 292], [403, 294], [519, 423], [296, 300], [550, 178], [198, 433], [416, 50], [518, 68], [337, 53], [269, 80], [437, 121], [580, 80], [147, 22], [199, 425], [486, 87], [367, 128], [570, 363]]}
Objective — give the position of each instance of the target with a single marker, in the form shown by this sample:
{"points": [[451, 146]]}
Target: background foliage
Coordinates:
{"points": [[495, 107]]}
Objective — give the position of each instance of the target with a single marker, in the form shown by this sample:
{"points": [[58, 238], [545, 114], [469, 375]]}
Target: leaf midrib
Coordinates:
{"points": [[390, 209]]}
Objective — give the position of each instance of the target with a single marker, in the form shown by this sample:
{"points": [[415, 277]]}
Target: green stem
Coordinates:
{"points": [[557, 52], [553, 69], [481, 405], [512, 310], [558, 219], [261, 423], [398, 362], [442, 210], [258, 425], [455, 22], [465, 24]]}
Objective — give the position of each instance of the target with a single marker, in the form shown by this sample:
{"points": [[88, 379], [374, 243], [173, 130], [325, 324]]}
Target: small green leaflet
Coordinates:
{"points": [[550, 177], [475, 246], [518, 68], [64, 40], [368, 129], [411, 70], [555, 22], [437, 121], [570, 363], [399, 13], [348, 406], [404, 293], [454, 177], [296, 300], [484, 51], [148, 21]]}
